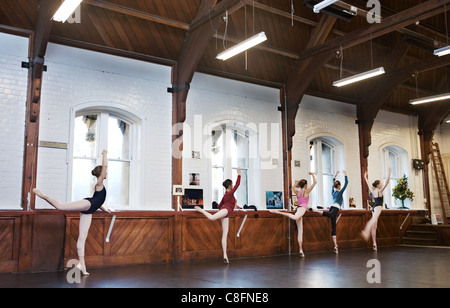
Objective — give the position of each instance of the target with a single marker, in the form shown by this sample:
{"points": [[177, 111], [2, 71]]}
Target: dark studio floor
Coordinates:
{"points": [[401, 266]]}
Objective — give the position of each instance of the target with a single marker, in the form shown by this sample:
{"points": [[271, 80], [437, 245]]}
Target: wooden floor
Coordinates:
{"points": [[401, 266]]}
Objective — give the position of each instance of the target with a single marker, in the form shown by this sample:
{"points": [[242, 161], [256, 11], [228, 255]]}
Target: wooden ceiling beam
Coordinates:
{"points": [[380, 91], [136, 13], [389, 24], [302, 75]]}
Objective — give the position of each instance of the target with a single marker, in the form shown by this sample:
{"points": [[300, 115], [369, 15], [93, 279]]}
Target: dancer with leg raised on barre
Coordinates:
{"points": [[226, 208], [87, 207], [303, 201], [337, 192]]}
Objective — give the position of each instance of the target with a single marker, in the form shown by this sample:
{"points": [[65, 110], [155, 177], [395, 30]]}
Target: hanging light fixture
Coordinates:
{"points": [[359, 77], [445, 50], [66, 10], [442, 51], [243, 46], [430, 99], [320, 6]]}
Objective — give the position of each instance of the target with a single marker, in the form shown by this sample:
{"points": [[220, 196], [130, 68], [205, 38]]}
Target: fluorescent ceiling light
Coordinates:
{"points": [[359, 77], [320, 6], [430, 99], [66, 10], [442, 51], [243, 46]]}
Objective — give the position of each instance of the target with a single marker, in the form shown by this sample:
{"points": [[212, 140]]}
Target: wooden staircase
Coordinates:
{"points": [[422, 235], [441, 180]]}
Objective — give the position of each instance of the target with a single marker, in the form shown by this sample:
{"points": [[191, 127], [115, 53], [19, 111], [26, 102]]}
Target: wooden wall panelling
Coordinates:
{"points": [[202, 238], [263, 235], [35, 240], [9, 244], [388, 231], [48, 243], [349, 229], [134, 240], [141, 240]]}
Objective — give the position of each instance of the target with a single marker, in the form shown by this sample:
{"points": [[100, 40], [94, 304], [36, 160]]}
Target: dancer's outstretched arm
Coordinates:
{"points": [[387, 181]]}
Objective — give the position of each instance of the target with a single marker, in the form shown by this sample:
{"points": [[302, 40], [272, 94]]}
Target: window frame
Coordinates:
{"points": [[401, 159], [319, 195], [104, 112], [229, 130]]}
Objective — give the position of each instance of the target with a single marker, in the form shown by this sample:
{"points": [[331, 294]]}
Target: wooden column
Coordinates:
{"points": [[37, 48], [209, 18], [301, 76]]}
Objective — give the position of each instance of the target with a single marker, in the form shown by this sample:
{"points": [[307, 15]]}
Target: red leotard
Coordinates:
{"points": [[228, 201]]}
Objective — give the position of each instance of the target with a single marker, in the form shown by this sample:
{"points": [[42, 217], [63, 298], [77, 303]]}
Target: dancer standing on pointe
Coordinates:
{"points": [[303, 201], [87, 207], [337, 192], [377, 190], [226, 208]]}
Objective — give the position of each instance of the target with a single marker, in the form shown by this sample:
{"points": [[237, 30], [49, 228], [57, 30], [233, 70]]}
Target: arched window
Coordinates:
{"points": [[397, 159], [325, 158], [93, 132], [229, 152]]}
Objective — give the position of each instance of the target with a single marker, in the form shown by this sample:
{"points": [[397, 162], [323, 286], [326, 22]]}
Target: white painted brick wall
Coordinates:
{"points": [[217, 100], [13, 89], [324, 118], [78, 77]]}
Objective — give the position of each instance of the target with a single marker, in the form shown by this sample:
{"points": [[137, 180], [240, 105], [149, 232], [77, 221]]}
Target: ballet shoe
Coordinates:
{"points": [[226, 261], [336, 250], [375, 247], [38, 193], [302, 255], [82, 269]]}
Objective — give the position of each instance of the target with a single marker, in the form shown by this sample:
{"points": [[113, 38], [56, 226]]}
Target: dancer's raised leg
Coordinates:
{"points": [[219, 215], [78, 206], [298, 214]]}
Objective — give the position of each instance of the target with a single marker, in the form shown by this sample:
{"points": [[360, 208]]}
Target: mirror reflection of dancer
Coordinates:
{"points": [[303, 200], [87, 207], [337, 192], [226, 208], [377, 190]]}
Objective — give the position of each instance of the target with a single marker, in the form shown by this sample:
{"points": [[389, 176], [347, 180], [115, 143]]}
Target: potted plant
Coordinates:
{"points": [[402, 191]]}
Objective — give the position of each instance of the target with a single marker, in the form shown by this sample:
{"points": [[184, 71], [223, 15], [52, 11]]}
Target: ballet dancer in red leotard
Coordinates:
{"points": [[303, 201], [87, 207], [226, 208]]}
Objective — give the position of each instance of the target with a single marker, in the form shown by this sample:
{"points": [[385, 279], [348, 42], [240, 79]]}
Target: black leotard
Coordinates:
{"points": [[378, 202], [96, 201]]}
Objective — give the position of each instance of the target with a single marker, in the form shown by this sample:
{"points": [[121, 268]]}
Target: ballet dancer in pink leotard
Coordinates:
{"points": [[303, 199]]}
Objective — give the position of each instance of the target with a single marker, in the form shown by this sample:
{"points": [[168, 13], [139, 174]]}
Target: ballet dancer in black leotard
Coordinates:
{"points": [[87, 207], [377, 189]]}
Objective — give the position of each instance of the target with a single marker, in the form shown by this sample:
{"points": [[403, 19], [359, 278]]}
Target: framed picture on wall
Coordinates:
{"points": [[192, 198], [178, 190], [274, 200], [194, 179]]}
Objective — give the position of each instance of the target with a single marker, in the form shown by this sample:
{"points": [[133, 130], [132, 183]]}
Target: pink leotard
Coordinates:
{"points": [[302, 201]]}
